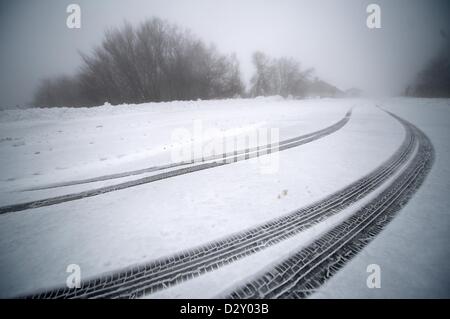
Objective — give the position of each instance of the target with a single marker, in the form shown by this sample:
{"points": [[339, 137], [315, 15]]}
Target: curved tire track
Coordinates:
{"points": [[304, 272], [224, 160], [147, 278], [224, 156]]}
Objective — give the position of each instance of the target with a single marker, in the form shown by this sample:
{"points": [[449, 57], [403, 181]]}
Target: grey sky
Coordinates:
{"points": [[329, 35]]}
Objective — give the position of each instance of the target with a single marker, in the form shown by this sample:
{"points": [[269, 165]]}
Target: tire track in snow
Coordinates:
{"points": [[303, 273], [235, 157], [146, 278], [224, 156]]}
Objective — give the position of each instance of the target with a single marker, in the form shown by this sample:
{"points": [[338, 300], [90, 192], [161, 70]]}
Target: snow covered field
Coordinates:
{"points": [[142, 223]]}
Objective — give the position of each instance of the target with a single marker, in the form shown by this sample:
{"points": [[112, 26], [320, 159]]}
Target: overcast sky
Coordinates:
{"points": [[329, 35]]}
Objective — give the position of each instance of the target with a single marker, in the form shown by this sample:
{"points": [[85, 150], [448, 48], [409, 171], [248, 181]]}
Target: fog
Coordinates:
{"points": [[330, 36]]}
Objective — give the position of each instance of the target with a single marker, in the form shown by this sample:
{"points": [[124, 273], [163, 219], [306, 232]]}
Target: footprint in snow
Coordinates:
{"points": [[283, 193], [18, 144], [5, 139]]}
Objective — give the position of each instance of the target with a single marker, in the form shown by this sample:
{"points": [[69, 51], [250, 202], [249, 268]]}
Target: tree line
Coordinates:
{"points": [[158, 61], [434, 79], [278, 76]]}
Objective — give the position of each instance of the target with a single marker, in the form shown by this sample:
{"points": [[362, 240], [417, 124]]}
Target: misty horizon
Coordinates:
{"points": [[328, 36]]}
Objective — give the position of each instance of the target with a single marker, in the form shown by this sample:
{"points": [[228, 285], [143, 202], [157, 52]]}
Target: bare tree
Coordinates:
{"points": [[281, 76], [156, 61], [434, 79], [261, 82], [61, 91]]}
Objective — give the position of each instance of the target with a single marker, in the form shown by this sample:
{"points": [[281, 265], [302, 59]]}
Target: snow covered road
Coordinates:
{"points": [[171, 170], [149, 225]]}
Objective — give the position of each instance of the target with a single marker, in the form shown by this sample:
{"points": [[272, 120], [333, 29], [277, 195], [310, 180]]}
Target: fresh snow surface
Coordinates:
{"points": [[413, 252], [138, 224]]}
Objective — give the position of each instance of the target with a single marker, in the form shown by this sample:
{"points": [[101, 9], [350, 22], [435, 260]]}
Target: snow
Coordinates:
{"points": [[413, 251], [142, 223], [65, 144], [223, 281]]}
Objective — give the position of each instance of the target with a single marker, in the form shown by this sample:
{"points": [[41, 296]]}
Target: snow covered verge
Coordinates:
{"points": [[42, 146], [139, 224]]}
